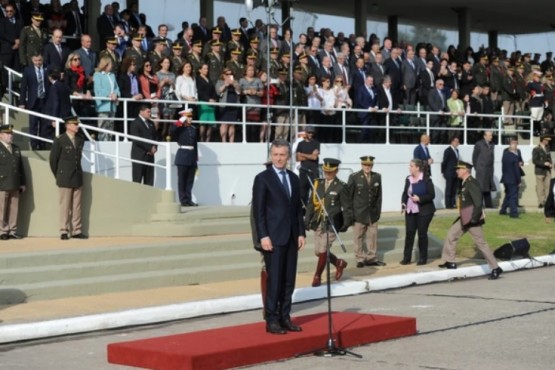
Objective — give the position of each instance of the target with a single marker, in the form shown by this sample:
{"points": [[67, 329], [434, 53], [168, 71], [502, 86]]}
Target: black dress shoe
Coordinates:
{"points": [[79, 236], [448, 265], [192, 204], [275, 328], [289, 326], [405, 262], [4, 237], [374, 263], [495, 273], [360, 265], [64, 237], [421, 262]]}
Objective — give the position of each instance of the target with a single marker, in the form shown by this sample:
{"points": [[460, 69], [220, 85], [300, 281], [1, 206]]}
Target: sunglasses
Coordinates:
{"points": [[75, 58]]}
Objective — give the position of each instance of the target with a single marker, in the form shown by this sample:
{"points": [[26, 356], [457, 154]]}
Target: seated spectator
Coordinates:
{"points": [[105, 85], [228, 91]]}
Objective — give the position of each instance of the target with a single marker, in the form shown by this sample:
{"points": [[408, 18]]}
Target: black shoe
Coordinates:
{"points": [[64, 237], [504, 213], [540, 205], [289, 326], [421, 262], [4, 237], [192, 204], [15, 236], [514, 216], [448, 265], [405, 262], [375, 263], [495, 273], [275, 328], [360, 265], [79, 236]]}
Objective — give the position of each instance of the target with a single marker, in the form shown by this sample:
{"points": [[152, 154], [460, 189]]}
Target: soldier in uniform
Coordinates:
{"points": [[480, 71], [195, 57], [215, 62], [300, 98], [136, 52], [110, 52], [65, 163], [253, 50], [365, 207], [526, 64], [520, 86], [496, 80], [470, 220], [334, 197], [235, 66], [508, 94], [32, 40], [235, 44], [186, 157], [216, 35], [541, 157], [177, 59], [251, 61], [12, 184], [305, 67], [274, 63], [155, 56]]}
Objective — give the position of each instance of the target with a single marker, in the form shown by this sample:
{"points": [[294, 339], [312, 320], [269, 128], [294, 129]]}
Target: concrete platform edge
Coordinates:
{"points": [[150, 315]]}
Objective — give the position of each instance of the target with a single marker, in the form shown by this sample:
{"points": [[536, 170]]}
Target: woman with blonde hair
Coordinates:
{"points": [[74, 76], [105, 86]]}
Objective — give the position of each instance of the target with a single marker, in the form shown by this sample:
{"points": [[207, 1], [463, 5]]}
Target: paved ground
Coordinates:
{"points": [[466, 324]]}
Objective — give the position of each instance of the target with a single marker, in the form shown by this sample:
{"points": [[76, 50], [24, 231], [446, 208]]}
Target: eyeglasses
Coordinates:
{"points": [[339, 81], [147, 65], [75, 58], [9, 11]]}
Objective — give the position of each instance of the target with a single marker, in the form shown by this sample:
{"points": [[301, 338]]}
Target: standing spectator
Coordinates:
{"points": [[75, 21], [110, 51], [475, 106], [12, 185], [364, 209], [32, 40], [143, 127], [185, 85], [105, 23], [471, 203], [422, 152], [332, 193], [75, 78], [427, 82], [483, 158], [367, 98], [166, 91], [228, 91], [207, 113], [34, 86], [55, 54], [55, 16], [185, 134], [313, 99], [448, 169], [163, 35], [136, 52], [148, 82], [436, 103], [327, 115], [456, 108], [541, 157], [278, 218], [58, 102], [511, 177], [106, 86], [65, 163], [88, 57], [307, 154], [537, 98], [129, 87], [268, 99], [417, 202], [409, 74], [10, 31], [252, 91], [508, 95], [281, 115]]}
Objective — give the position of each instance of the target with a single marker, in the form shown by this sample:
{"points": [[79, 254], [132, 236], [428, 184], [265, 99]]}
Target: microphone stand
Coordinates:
{"points": [[331, 349]]}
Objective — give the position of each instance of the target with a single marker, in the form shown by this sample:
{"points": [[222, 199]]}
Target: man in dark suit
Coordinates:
{"points": [[448, 169], [88, 56], [392, 67], [409, 75], [422, 152], [427, 83], [105, 23], [377, 70], [75, 22], [437, 103], [10, 29], [510, 178], [278, 216], [185, 134], [367, 98], [326, 70], [143, 127], [65, 163], [54, 53], [58, 102], [34, 88]]}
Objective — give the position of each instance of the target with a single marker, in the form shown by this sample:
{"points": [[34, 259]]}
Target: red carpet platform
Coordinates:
{"points": [[249, 344]]}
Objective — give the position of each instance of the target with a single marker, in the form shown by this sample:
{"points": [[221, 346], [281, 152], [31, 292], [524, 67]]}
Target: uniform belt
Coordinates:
{"points": [[188, 147]]}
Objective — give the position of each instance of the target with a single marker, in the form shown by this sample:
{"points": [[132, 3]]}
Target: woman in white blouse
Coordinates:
{"points": [[327, 116], [185, 85]]}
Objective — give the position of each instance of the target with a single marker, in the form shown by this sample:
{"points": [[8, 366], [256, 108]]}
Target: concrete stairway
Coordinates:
{"points": [[190, 261]]}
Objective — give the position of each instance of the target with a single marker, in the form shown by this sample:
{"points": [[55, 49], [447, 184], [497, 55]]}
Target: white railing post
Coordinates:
{"points": [[117, 174], [125, 120], [387, 128], [465, 125], [168, 166], [93, 155], [344, 125], [428, 123], [244, 123]]}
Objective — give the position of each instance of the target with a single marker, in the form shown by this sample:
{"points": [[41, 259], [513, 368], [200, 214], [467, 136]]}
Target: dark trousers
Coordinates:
{"points": [[142, 173], [451, 184], [417, 223], [327, 133], [487, 199], [185, 181], [36, 125], [281, 266], [305, 186], [510, 200]]}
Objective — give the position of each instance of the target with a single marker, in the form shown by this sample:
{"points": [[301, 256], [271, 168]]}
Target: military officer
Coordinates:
{"points": [[215, 62], [541, 157], [177, 59], [136, 52], [333, 196], [155, 56], [479, 71], [65, 163], [186, 157], [365, 207], [110, 52], [195, 57], [471, 220], [235, 44], [12, 183], [253, 50], [32, 40], [216, 36], [274, 63], [235, 65]]}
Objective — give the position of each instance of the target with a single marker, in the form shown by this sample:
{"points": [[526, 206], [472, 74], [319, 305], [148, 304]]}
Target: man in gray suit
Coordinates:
{"points": [[408, 71], [88, 57], [437, 103]]}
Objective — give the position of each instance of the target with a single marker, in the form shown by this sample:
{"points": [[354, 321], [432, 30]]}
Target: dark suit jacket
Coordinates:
{"points": [[435, 103], [449, 163], [88, 61], [363, 98], [65, 161], [140, 149], [276, 215], [420, 153], [377, 73], [9, 32], [29, 86], [52, 58], [409, 74], [58, 102], [549, 208], [383, 102], [322, 73], [104, 28], [425, 191], [12, 175], [71, 23], [510, 168]]}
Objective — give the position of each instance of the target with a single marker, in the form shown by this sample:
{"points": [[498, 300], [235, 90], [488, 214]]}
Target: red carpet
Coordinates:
{"points": [[249, 344]]}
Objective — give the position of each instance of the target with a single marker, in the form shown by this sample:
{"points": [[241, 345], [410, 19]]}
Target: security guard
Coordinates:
{"points": [[12, 183], [235, 65], [65, 163], [110, 52], [186, 157], [32, 40], [136, 52], [470, 199], [334, 197], [365, 201]]}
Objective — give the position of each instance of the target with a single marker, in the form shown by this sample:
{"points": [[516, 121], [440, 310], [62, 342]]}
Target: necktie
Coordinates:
{"points": [[40, 81], [441, 97], [284, 183], [427, 152], [59, 48], [457, 152], [411, 64]]}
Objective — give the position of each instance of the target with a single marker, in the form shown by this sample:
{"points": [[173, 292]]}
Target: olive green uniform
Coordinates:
{"points": [[138, 56], [540, 155], [31, 41], [12, 178]]}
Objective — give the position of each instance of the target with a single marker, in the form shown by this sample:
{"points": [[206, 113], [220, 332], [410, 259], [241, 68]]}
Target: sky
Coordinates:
{"points": [[163, 11]]}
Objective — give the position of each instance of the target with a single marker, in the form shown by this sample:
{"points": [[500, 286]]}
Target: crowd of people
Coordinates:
{"points": [[252, 65]]}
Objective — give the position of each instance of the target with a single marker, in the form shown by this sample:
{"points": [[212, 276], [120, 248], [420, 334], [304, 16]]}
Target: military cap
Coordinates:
{"points": [[537, 55], [510, 68], [198, 43], [37, 17], [254, 39], [545, 137], [177, 46], [484, 56], [111, 40], [303, 55], [215, 43], [274, 51], [310, 128], [331, 164], [6, 129], [71, 120], [367, 159], [298, 69], [527, 55], [160, 40], [216, 30], [495, 59], [236, 52], [283, 71], [464, 165], [549, 53], [236, 32], [186, 112], [137, 37], [520, 66], [251, 56], [286, 54]]}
